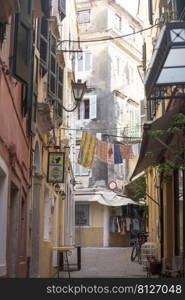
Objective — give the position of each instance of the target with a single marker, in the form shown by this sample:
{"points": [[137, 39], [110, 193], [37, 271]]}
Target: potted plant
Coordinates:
{"points": [[155, 266]]}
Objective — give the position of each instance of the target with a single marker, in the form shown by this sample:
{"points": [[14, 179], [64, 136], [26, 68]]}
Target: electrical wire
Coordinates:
{"points": [[101, 129], [110, 38]]}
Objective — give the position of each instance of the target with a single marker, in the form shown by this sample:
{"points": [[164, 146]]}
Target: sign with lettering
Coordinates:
{"points": [[56, 167]]}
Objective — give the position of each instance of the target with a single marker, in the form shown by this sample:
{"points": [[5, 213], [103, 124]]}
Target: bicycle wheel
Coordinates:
{"points": [[134, 253]]}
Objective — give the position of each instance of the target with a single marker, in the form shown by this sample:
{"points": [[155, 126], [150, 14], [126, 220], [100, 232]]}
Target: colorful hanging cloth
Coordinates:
{"points": [[87, 150], [110, 154], [101, 150], [117, 154], [127, 151]]}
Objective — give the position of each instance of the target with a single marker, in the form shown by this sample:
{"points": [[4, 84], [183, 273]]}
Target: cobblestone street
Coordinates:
{"points": [[107, 263]]}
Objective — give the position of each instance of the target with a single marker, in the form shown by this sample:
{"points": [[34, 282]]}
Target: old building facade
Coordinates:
{"points": [[36, 75], [165, 183], [111, 108]]}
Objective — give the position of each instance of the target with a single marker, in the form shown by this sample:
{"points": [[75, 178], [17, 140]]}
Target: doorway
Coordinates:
{"points": [[13, 231]]}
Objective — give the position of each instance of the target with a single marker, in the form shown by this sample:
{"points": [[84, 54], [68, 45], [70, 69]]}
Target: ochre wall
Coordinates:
{"points": [[92, 236]]}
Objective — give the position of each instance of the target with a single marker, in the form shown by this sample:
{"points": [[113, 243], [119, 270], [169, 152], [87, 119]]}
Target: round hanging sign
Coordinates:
{"points": [[112, 185]]}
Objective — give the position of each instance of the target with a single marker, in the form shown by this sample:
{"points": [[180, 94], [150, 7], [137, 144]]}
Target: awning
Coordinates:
{"points": [[7, 8], [165, 75], [151, 149], [107, 198]]}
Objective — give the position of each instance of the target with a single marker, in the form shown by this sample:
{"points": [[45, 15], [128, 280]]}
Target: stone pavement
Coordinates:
{"points": [[107, 263]]}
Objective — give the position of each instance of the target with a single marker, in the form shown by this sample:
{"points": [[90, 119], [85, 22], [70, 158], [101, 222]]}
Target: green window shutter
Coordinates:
{"points": [[46, 7], [23, 42], [52, 68], [60, 80]]}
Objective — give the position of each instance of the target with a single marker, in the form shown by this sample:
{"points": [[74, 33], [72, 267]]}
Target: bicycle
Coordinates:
{"points": [[136, 250]]}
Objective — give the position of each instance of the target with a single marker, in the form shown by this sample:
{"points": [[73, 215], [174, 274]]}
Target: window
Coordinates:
{"points": [[82, 214], [84, 16], [2, 31], [132, 30], [84, 62], [117, 22], [88, 108], [80, 170], [62, 9]]}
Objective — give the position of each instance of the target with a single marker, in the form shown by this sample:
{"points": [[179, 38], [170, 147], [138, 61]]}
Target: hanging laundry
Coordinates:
{"points": [[128, 223], [101, 151], [111, 224], [122, 227], [127, 151], [87, 150], [117, 155], [118, 225], [110, 154], [135, 225], [135, 149]]}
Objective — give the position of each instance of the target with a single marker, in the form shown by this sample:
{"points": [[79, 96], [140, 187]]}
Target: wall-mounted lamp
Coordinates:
{"points": [[59, 191], [63, 195], [57, 188], [79, 88]]}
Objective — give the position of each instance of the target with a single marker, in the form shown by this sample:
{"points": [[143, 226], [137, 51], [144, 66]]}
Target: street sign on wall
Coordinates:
{"points": [[56, 167]]}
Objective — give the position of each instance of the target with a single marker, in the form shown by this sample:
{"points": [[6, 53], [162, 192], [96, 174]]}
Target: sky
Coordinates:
{"points": [[129, 5]]}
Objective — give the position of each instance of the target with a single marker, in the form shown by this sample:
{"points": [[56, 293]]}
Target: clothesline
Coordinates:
{"points": [[106, 152]]}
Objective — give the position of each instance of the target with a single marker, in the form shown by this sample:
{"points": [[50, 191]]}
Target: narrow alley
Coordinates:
{"points": [[107, 263], [92, 138]]}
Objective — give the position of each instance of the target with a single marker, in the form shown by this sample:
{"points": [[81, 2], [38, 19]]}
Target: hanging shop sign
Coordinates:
{"points": [[56, 167]]}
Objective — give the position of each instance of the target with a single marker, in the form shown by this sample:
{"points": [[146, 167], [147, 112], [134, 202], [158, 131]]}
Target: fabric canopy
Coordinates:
{"points": [[107, 198], [151, 149]]}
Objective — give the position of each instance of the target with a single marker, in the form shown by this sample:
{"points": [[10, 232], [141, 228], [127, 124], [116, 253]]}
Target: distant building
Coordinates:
{"points": [[111, 107]]}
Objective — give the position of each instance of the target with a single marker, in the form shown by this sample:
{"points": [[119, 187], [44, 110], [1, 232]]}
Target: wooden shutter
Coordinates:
{"points": [[52, 67], [23, 42], [82, 110], [144, 56], [93, 106], [46, 7], [150, 12], [43, 42]]}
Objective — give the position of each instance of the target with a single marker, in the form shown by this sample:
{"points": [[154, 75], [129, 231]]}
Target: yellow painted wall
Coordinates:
{"points": [[153, 210], [92, 236]]}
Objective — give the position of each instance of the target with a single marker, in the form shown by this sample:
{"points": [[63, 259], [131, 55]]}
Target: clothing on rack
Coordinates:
{"points": [[128, 223], [135, 225]]}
